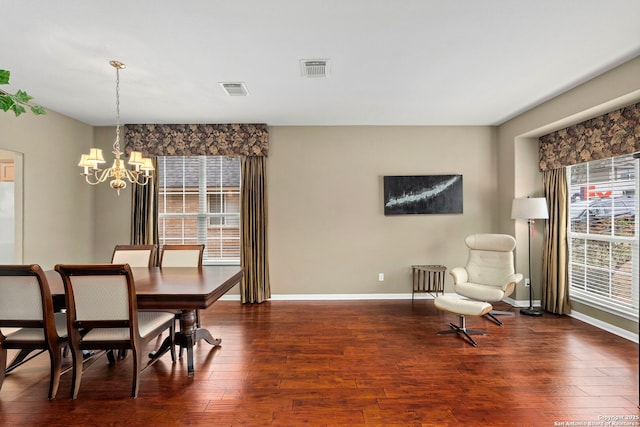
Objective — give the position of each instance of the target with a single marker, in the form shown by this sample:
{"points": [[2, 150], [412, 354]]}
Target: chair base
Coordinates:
{"points": [[463, 330], [493, 313], [462, 308]]}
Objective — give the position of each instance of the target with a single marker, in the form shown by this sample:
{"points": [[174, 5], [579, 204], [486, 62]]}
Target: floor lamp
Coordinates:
{"points": [[531, 208]]}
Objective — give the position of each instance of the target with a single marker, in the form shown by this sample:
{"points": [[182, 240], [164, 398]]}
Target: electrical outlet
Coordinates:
{"points": [[527, 282], [381, 277]]}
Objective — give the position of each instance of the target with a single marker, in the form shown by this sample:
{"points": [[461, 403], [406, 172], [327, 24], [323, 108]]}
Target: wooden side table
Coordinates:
{"points": [[428, 279]]}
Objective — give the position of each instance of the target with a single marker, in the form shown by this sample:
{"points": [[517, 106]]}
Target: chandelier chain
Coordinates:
{"points": [[116, 143]]}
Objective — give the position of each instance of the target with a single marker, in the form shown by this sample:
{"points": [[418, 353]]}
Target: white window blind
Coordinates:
{"points": [[199, 202], [603, 234]]}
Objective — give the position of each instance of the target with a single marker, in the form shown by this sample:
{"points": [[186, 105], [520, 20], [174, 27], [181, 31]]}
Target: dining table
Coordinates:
{"points": [[180, 289]]}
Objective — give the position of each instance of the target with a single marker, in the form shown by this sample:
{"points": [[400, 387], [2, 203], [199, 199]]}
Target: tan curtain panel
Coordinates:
{"points": [[255, 287], [555, 276], [610, 135], [198, 139], [144, 213]]}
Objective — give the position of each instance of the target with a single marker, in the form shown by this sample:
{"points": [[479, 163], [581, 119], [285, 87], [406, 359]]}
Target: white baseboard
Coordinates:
{"points": [[521, 303], [605, 326], [586, 319], [334, 297]]}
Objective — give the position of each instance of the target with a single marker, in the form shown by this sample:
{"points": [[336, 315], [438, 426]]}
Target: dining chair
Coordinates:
{"points": [[26, 307], [134, 255], [182, 255], [101, 298]]}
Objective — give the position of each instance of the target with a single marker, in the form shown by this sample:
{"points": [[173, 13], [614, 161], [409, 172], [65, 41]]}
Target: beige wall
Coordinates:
{"points": [[58, 205], [327, 230]]}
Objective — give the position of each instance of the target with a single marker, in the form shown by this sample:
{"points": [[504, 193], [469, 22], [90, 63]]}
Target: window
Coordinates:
{"points": [[603, 235], [199, 202], [224, 206]]}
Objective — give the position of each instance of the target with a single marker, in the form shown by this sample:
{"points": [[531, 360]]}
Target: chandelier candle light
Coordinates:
{"points": [[531, 208], [141, 171]]}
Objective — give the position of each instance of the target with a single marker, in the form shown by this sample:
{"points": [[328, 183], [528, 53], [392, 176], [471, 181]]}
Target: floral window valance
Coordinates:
{"points": [[610, 135], [198, 139]]}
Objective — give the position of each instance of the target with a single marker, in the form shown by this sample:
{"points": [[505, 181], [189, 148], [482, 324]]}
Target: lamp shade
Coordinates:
{"points": [[135, 158], [529, 208], [95, 155], [147, 164], [85, 162]]}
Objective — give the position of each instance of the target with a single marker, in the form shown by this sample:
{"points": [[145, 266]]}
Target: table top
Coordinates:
{"points": [[173, 288]]}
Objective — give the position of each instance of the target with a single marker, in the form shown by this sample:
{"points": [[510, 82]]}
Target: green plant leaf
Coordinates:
{"points": [[16, 102], [23, 97], [18, 109], [38, 110], [4, 77], [5, 102]]}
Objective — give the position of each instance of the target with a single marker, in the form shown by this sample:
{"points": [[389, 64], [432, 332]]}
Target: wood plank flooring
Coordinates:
{"points": [[352, 363]]}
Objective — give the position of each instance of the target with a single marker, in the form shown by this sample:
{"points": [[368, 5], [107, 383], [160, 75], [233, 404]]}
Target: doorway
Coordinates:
{"points": [[10, 207]]}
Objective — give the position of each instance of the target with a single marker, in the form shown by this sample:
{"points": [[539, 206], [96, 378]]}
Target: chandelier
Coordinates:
{"points": [[141, 168]]}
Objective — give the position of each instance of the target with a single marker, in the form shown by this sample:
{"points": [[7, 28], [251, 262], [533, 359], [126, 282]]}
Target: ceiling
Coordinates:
{"points": [[392, 62]]}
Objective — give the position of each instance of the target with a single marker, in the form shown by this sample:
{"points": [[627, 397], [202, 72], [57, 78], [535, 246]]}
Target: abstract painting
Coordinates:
{"points": [[423, 194]]}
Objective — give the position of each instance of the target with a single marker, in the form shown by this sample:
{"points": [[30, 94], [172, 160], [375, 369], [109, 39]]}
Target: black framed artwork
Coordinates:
{"points": [[423, 194]]}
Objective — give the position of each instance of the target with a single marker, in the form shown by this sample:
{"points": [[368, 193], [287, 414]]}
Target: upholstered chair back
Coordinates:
{"points": [[134, 255], [490, 258], [20, 298], [101, 297], [181, 256]]}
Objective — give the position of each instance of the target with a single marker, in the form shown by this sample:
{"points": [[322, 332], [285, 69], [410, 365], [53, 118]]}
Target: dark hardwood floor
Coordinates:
{"points": [[350, 363]]}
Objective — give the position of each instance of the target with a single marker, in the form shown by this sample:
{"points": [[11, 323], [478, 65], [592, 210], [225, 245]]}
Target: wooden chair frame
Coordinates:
{"points": [[51, 342], [134, 341]]}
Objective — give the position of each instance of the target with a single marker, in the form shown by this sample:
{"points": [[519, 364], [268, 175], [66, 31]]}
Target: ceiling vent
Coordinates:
{"points": [[235, 88], [314, 67]]}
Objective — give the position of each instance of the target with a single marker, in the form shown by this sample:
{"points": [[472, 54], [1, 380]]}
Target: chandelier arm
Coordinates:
{"points": [[99, 177], [104, 175], [137, 177], [86, 178], [146, 179], [131, 177]]}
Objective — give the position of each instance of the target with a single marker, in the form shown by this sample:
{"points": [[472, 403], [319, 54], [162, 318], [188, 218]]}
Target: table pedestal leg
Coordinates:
{"points": [[187, 337]]}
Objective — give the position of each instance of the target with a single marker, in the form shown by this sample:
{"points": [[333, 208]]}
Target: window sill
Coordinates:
{"points": [[583, 299]]}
